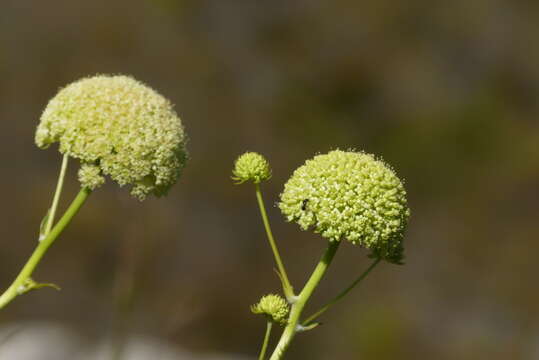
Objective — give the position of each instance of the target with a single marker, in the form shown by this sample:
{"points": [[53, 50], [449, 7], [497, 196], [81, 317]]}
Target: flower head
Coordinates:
{"points": [[349, 195], [119, 127], [251, 167], [273, 306]]}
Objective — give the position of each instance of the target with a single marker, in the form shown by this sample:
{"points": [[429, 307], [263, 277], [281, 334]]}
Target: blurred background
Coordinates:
{"points": [[446, 92]]}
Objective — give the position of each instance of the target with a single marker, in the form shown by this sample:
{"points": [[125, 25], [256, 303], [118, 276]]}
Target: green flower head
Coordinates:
{"points": [[251, 167], [272, 306], [119, 127], [349, 195]]}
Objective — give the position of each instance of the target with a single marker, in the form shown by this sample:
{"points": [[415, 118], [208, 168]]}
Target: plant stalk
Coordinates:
{"points": [[19, 285], [56, 198], [322, 310], [297, 307], [266, 341], [287, 287]]}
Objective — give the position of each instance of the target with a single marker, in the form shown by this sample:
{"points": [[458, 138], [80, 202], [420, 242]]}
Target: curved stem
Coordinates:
{"points": [[266, 340], [56, 199], [292, 327], [18, 286], [287, 287], [342, 294]]}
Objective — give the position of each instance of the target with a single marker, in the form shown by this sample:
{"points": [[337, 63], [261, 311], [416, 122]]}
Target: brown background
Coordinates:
{"points": [[447, 92]]}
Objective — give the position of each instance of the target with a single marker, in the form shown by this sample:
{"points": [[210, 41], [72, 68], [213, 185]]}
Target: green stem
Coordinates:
{"points": [[266, 340], [56, 199], [287, 287], [297, 307], [311, 318], [18, 286]]}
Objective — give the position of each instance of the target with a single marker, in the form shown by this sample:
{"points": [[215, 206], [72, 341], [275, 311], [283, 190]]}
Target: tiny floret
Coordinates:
{"points": [[90, 176], [117, 127], [274, 307], [251, 167], [349, 195]]}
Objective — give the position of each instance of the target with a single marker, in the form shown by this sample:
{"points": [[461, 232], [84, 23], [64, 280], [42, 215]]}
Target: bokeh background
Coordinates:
{"points": [[446, 92]]}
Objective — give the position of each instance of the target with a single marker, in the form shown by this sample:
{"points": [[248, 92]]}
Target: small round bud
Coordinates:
{"points": [[119, 127], [251, 167], [272, 306], [349, 195]]}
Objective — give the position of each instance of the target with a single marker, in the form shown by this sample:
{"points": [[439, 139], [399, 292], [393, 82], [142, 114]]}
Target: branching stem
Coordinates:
{"points": [[297, 307], [18, 286], [342, 294]]}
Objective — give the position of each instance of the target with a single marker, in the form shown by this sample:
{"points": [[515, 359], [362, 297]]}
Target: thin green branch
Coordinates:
{"points": [[56, 199], [19, 286], [266, 341], [287, 287], [293, 326], [342, 294]]}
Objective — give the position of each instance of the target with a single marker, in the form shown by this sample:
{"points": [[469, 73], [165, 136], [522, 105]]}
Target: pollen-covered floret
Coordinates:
{"points": [[251, 167], [118, 127], [90, 176], [273, 306], [349, 195]]}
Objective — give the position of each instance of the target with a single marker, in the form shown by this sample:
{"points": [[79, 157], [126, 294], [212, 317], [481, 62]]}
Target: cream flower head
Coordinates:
{"points": [[349, 195], [119, 127]]}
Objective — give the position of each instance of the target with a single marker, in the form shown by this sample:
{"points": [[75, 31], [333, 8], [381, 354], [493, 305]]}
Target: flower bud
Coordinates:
{"points": [[118, 127], [251, 167], [349, 195], [272, 306]]}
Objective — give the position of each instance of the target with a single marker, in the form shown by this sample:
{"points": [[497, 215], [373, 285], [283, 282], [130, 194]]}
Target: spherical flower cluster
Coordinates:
{"points": [[349, 195], [119, 127], [273, 306], [251, 167]]}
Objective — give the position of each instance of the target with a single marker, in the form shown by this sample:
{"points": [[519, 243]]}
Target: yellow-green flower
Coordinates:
{"points": [[349, 195], [272, 306], [251, 167], [119, 127]]}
